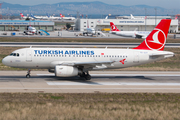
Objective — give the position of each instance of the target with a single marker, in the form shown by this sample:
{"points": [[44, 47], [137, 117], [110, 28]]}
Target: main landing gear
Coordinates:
{"points": [[28, 74], [86, 75]]}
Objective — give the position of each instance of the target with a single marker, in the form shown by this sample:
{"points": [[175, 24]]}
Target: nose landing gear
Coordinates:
{"points": [[28, 74]]}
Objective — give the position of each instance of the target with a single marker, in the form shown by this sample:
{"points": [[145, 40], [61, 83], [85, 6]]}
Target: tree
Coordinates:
{"points": [[68, 25]]}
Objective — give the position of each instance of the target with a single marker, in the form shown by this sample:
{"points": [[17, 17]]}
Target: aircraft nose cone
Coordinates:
{"points": [[4, 61]]}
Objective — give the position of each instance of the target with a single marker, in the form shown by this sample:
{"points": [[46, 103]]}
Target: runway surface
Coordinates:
{"points": [[77, 44], [102, 81]]}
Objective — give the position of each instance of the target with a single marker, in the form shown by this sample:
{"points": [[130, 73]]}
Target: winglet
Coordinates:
{"points": [[157, 38]]}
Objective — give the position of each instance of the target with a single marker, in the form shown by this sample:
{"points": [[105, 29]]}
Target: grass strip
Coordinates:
{"points": [[96, 106], [78, 39]]}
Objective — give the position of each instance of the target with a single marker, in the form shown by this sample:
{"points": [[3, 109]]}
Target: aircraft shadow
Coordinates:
{"points": [[78, 79], [125, 77], [72, 79]]}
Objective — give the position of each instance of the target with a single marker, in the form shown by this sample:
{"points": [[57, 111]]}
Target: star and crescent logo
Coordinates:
{"points": [[156, 40], [113, 27]]}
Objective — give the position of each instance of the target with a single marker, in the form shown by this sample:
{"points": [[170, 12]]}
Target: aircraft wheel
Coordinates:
{"points": [[88, 77], [28, 76]]}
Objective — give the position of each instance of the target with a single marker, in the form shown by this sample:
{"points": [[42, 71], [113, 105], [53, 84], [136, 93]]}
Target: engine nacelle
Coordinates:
{"points": [[66, 71]]}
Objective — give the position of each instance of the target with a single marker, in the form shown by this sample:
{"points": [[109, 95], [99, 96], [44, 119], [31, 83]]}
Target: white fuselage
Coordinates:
{"points": [[68, 18], [144, 34], [32, 29], [48, 58], [90, 31], [47, 17]]}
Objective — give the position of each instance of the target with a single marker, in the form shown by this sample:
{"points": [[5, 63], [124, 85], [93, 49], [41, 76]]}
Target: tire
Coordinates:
{"points": [[88, 77], [28, 76]]}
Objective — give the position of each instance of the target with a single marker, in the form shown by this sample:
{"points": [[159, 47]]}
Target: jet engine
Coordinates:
{"points": [[66, 71]]}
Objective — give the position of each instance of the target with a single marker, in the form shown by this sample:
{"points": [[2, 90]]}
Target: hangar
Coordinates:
{"points": [[21, 25], [123, 24]]}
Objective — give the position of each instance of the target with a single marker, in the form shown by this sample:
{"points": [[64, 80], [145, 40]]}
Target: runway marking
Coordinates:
{"points": [[113, 75], [114, 83]]}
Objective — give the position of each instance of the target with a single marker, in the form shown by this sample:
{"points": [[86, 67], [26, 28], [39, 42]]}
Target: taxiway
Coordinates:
{"points": [[102, 81]]}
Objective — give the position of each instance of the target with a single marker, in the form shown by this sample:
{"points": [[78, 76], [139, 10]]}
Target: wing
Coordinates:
{"points": [[87, 65]]}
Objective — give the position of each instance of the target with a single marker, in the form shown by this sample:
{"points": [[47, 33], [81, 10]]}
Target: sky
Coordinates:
{"points": [[169, 4]]}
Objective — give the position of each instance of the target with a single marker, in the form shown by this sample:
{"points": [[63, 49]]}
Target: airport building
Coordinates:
{"points": [[123, 24], [21, 25], [147, 17]]}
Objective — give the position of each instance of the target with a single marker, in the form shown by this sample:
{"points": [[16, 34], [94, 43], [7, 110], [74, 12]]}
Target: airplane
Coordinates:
{"points": [[30, 30], [45, 17], [132, 17], [38, 17], [68, 62], [66, 18], [54, 18], [135, 34], [89, 30], [92, 31], [41, 17], [22, 16]]}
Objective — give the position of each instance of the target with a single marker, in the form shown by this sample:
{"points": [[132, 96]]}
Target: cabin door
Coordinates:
{"points": [[28, 56]]}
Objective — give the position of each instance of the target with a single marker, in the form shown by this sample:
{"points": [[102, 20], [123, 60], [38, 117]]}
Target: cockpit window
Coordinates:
{"points": [[14, 54]]}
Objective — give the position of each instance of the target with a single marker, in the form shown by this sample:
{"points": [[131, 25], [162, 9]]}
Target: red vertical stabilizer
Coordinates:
{"points": [[157, 38], [113, 27]]}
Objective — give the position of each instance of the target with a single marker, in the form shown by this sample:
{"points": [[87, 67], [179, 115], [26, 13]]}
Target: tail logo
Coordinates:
{"points": [[156, 40], [113, 27]]}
